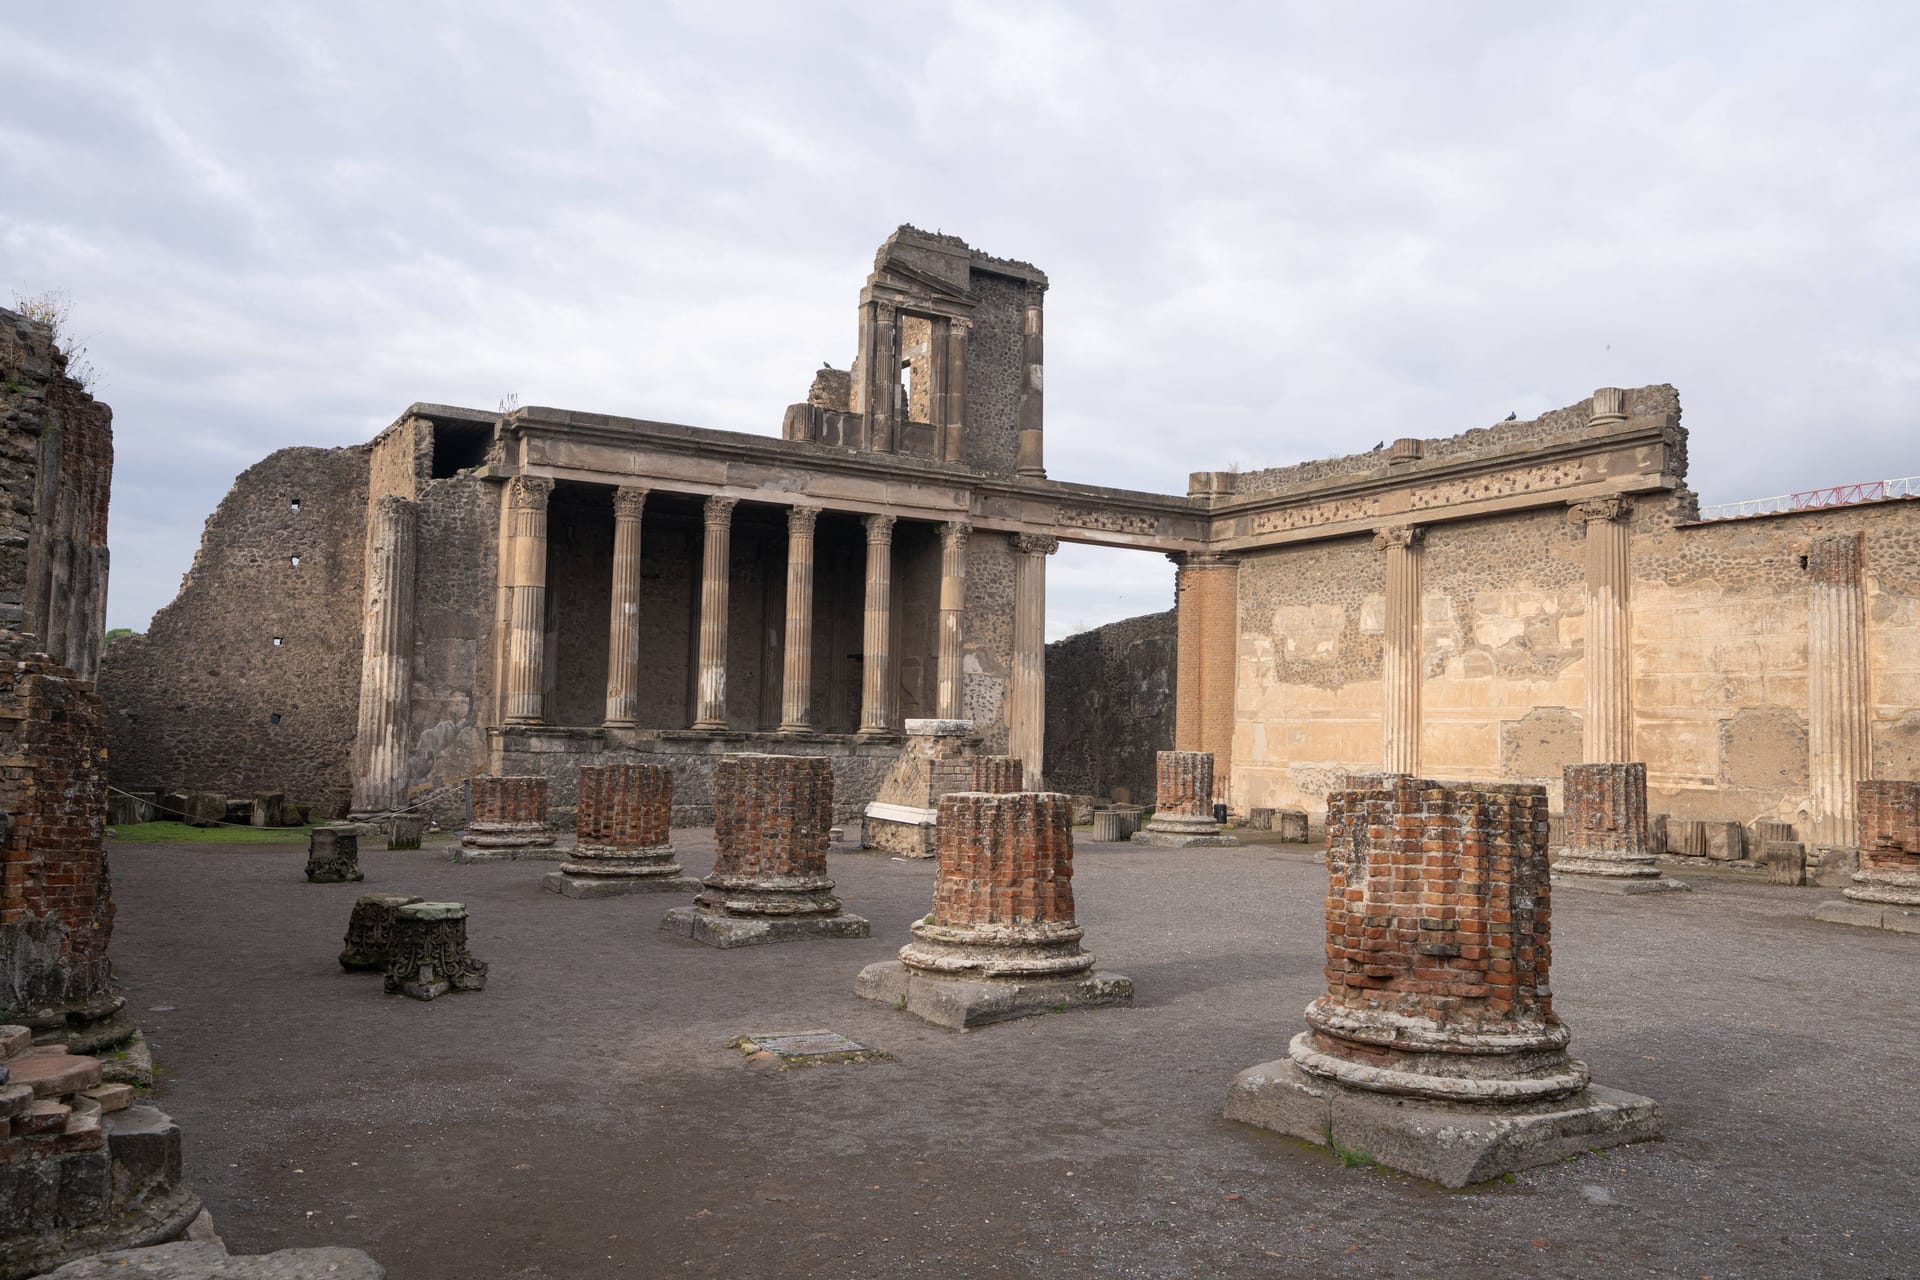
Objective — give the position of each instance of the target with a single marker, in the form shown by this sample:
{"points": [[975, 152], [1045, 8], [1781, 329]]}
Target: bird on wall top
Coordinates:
{"points": [[1510, 417], [1378, 447]]}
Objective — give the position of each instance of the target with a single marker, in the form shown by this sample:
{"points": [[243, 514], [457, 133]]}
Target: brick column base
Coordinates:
{"points": [[1885, 893], [622, 836], [1183, 803], [1607, 845], [1436, 1047], [507, 819], [1001, 941], [773, 818]]}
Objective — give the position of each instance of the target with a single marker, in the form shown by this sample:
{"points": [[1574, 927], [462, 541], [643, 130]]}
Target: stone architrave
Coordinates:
{"points": [[1607, 848], [773, 819], [1436, 1049], [82, 1169], [623, 842], [1183, 803], [933, 762], [508, 819], [1001, 941], [333, 854], [370, 930], [1885, 893], [427, 952]]}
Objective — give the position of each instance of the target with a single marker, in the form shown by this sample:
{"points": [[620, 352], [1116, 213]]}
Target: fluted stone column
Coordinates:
{"points": [[1609, 709], [953, 436], [1401, 668], [796, 684], [527, 598], [1027, 700], [1031, 411], [953, 601], [623, 624], [876, 667], [715, 580], [386, 659], [1838, 731]]}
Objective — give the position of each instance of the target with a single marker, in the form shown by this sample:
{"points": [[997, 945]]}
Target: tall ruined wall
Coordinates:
{"points": [[206, 698], [996, 367], [56, 468], [987, 643], [453, 630], [1719, 656], [1110, 706]]}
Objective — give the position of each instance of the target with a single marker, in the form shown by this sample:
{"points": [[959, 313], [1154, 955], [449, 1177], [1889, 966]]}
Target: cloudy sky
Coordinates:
{"points": [[1273, 232]]}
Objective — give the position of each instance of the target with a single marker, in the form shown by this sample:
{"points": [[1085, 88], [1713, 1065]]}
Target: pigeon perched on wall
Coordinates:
{"points": [[1378, 447], [1510, 417]]}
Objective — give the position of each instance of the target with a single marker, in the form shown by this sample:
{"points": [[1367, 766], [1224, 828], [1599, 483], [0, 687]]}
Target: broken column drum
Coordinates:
{"points": [[623, 843], [773, 820], [508, 820], [427, 952], [333, 855], [370, 930], [1436, 1048], [1889, 817], [1183, 803], [997, 775], [1001, 941], [405, 831], [1607, 844]]}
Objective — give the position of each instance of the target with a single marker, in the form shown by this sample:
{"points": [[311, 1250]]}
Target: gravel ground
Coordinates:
{"points": [[582, 1117]]}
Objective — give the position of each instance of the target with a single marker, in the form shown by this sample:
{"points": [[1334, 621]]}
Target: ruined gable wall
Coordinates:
{"points": [[1110, 706], [56, 468], [453, 629], [193, 700]]}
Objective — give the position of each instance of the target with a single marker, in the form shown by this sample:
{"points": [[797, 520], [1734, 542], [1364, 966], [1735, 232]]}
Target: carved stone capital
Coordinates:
{"points": [[800, 521], [1617, 506], [1399, 535], [530, 493], [629, 501], [953, 535], [719, 511], [879, 528], [1035, 544]]}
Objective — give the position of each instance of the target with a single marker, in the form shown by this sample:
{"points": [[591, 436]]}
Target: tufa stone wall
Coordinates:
{"points": [[206, 698], [56, 469], [1110, 706]]}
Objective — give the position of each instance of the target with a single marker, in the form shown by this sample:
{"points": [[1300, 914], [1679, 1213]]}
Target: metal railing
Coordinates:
{"points": [[1839, 495]]}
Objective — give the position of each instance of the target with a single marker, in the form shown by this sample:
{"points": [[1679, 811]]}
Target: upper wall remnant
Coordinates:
{"points": [[949, 361], [56, 468]]}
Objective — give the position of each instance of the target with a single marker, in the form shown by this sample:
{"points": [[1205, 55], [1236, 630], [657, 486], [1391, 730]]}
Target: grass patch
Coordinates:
{"points": [[181, 833], [1353, 1157]]}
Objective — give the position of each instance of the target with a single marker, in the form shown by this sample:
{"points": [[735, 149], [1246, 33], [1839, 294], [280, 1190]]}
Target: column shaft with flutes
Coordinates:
{"points": [[386, 662], [953, 599], [876, 668], [796, 686], [623, 622], [1838, 738], [527, 598], [1609, 708], [1027, 702], [715, 580], [1401, 667]]}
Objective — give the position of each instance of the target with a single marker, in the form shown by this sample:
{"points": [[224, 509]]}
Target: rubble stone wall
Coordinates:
{"points": [[1110, 706]]}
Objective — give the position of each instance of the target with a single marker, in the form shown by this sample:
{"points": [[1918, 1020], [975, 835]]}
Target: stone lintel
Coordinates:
{"points": [[965, 1003], [1453, 1146], [727, 931]]}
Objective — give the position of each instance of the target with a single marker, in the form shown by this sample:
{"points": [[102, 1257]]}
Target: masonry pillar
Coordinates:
{"points": [[1838, 731], [953, 435], [1401, 666], [953, 600], [1183, 794], [1027, 704], [883, 377], [876, 666], [1031, 411], [1609, 709], [1206, 598], [527, 598], [796, 683], [623, 624], [386, 658], [715, 579]]}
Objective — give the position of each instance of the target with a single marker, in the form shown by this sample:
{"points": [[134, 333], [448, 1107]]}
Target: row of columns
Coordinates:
{"points": [[524, 610]]}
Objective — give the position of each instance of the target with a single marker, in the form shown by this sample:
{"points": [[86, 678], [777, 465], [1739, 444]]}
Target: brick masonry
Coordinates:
{"points": [[1606, 823], [1889, 843], [624, 806], [517, 801], [773, 819], [1183, 784], [998, 775], [1005, 860]]}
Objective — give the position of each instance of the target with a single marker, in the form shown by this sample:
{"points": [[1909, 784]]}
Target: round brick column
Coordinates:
{"points": [[1438, 923], [773, 816], [506, 813], [1003, 902], [999, 775], [1889, 817], [622, 822], [1607, 822]]}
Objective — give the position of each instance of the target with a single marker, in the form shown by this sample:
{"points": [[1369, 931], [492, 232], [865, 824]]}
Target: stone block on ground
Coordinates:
{"points": [[204, 809], [269, 809], [427, 953], [406, 831], [1291, 824], [197, 1260], [1785, 861], [333, 854], [1726, 841]]}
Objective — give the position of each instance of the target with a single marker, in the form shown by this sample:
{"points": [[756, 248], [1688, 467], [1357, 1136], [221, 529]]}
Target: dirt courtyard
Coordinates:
{"points": [[583, 1116]]}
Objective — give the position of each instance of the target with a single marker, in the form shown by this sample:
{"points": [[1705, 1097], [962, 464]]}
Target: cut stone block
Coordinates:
{"points": [[963, 1004], [725, 931]]}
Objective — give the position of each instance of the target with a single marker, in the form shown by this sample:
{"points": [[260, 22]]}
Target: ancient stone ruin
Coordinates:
{"points": [[769, 881], [936, 759], [370, 930], [427, 951], [333, 854], [1436, 1048], [1607, 845], [1183, 808], [623, 843], [1001, 941], [508, 820], [1885, 893]]}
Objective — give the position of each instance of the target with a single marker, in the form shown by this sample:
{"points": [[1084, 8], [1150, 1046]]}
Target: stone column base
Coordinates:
{"points": [[717, 929], [1454, 1146], [1869, 915], [965, 1003], [1605, 882], [575, 881], [502, 842], [1184, 834]]}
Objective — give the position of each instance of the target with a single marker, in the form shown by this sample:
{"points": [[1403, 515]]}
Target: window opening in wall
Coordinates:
{"points": [[459, 446], [1803, 562], [276, 642], [293, 504], [274, 718], [295, 560]]}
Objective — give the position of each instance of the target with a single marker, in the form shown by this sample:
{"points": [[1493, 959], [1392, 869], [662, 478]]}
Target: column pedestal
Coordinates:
{"points": [[1607, 847], [624, 844], [1183, 803]]}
